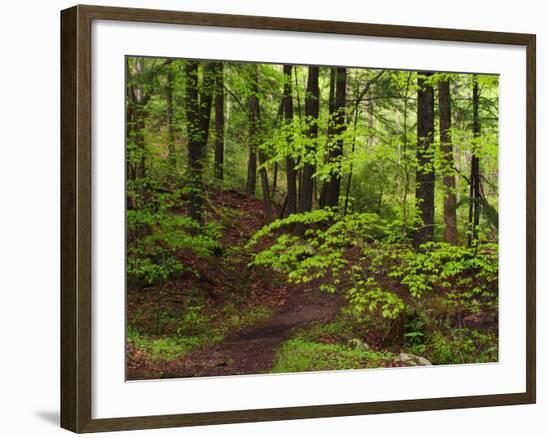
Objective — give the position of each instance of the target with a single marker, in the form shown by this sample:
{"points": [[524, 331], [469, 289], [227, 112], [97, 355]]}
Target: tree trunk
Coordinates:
{"points": [[450, 233], [330, 129], [207, 91], [220, 125], [290, 163], [130, 121], [138, 136], [425, 172], [475, 173], [197, 112], [274, 185], [170, 116], [312, 116], [252, 152], [254, 133], [336, 149], [195, 142], [350, 174]]}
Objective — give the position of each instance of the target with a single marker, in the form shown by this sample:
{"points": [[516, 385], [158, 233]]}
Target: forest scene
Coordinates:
{"points": [[293, 218]]}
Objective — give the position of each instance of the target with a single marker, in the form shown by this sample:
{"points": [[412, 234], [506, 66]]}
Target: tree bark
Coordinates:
{"points": [[219, 104], [330, 129], [450, 233], [312, 116], [290, 163], [252, 152], [475, 173], [254, 118], [136, 120], [206, 97], [198, 107], [336, 149], [425, 172], [195, 138], [170, 116]]}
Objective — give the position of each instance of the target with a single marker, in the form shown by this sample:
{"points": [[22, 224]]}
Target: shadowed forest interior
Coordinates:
{"points": [[289, 218]]}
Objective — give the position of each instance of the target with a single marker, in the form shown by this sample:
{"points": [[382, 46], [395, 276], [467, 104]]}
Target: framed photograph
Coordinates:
{"points": [[270, 218]]}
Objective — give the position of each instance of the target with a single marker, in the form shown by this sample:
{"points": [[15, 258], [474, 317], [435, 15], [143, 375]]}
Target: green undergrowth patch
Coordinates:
{"points": [[329, 346], [459, 346], [195, 330], [168, 347], [298, 355]]}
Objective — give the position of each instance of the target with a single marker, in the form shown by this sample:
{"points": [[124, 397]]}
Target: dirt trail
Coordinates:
{"points": [[252, 350]]}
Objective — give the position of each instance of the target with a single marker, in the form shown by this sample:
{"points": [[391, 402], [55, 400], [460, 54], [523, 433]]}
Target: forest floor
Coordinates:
{"points": [[247, 315], [223, 317], [252, 350]]}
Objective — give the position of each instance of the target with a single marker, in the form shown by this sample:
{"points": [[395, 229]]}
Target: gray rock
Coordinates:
{"points": [[412, 360], [358, 344]]}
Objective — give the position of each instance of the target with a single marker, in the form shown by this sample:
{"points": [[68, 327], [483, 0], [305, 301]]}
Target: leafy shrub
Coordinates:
{"points": [[323, 252], [462, 346], [359, 252], [156, 233]]}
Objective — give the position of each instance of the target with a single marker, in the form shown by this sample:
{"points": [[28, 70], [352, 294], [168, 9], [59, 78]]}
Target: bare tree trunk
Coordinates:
{"points": [[139, 119], [450, 233], [252, 153], [206, 97], [475, 177], [220, 123], [194, 140], [337, 148], [330, 129], [350, 175], [290, 163], [274, 185], [254, 117], [170, 116], [197, 112], [312, 116], [425, 172]]}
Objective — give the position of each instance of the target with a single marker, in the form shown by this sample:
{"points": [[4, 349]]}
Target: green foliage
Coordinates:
{"points": [[467, 275], [462, 346], [353, 253], [298, 355], [168, 347], [195, 327], [156, 233], [415, 298]]}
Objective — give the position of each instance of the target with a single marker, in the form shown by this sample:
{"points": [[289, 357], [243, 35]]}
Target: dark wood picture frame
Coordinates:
{"points": [[76, 218]]}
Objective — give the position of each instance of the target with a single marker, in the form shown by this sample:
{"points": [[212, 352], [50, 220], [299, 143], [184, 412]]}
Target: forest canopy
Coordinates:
{"points": [[255, 190]]}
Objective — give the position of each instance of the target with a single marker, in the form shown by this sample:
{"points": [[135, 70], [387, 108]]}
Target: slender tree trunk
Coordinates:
{"points": [[206, 96], [251, 174], [425, 172], [337, 148], [195, 142], [252, 152], [139, 119], [265, 187], [312, 116], [130, 122], [350, 175], [475, 173], [274, 185], [254, 117], [450, 233], [330, 129], [219, 105], [170, 116], [291, 173]]}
